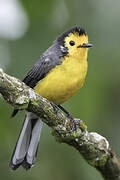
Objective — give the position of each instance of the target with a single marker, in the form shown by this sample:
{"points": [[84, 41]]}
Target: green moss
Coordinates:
{"points": [[34, 102], [96, 157], [98, 162], [83, 127]]}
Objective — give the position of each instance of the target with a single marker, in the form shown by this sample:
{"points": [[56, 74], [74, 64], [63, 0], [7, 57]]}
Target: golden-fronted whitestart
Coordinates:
{"points": [[57, 75]]}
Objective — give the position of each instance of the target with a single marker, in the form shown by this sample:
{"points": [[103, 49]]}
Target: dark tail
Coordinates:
{"points": [[26, 147]]}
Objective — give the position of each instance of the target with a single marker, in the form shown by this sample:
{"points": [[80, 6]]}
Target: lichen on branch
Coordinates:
{"points": [[93, 147]]}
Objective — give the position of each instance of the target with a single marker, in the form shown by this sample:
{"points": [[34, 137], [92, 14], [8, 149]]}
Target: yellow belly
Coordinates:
{"points": [[63, 81]]}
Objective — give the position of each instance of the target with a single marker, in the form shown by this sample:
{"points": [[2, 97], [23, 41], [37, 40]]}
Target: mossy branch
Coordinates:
{"points": [[93, 147]]}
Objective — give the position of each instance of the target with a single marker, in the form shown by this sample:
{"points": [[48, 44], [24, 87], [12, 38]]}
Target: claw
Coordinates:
{"points": [[72, 122], [56, 108]]}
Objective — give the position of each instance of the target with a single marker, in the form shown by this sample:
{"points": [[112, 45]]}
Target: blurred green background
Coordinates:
{"points": [[97, 103]]}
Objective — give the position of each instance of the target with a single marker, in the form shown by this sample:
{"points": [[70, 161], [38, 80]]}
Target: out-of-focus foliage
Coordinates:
{"points": [[97, 103]]}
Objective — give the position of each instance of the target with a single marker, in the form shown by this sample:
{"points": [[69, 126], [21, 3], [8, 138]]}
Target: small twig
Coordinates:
{"points": [[94, 147]]}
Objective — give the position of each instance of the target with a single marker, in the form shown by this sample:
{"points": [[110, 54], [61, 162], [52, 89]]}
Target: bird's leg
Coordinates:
{"points": [[65, 111], [69, 116], [56, 108]]}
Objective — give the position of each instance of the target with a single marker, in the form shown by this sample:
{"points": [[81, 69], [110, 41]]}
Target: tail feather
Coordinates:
{"points": [[31, 153], [33, 145], [26, 148]]}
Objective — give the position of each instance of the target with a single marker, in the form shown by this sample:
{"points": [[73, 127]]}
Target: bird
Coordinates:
{"points": [[57, 75]]}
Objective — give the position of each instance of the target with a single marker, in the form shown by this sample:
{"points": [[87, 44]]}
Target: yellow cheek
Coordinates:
{"points": [[79, 40]]}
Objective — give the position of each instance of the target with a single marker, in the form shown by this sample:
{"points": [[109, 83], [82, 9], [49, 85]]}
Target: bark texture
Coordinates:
{"points": [[93, 147]]}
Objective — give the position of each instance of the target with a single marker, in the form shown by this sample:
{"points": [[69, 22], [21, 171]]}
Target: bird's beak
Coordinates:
{"points": [[85, 45]]}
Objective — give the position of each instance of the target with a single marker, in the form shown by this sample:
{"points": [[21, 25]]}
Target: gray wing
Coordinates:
{"points": [[47, 61], [50, 59]]}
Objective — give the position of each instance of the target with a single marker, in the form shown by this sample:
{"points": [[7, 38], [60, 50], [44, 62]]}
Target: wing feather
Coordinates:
{"points": [[40, 69], [50, 58]]}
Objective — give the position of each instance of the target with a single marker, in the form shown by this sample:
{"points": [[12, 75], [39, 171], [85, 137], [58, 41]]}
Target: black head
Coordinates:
{"points": [[61, 38], [75, 29]]}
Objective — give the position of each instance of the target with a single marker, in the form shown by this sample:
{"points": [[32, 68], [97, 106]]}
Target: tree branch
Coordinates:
{"points": [[93, 147]]}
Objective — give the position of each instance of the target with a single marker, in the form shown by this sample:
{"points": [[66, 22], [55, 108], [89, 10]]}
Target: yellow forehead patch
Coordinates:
{"points": [[78, 39]]}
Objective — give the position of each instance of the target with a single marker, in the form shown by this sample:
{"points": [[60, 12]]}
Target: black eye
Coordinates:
{"points": [[72, 43]]}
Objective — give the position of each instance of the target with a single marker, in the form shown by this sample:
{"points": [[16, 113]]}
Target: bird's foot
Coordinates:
{"points": [[72, 122], [55, 107]]}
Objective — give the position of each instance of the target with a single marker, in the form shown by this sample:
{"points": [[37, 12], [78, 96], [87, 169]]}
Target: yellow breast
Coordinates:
{"points": [[63, 81]]}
